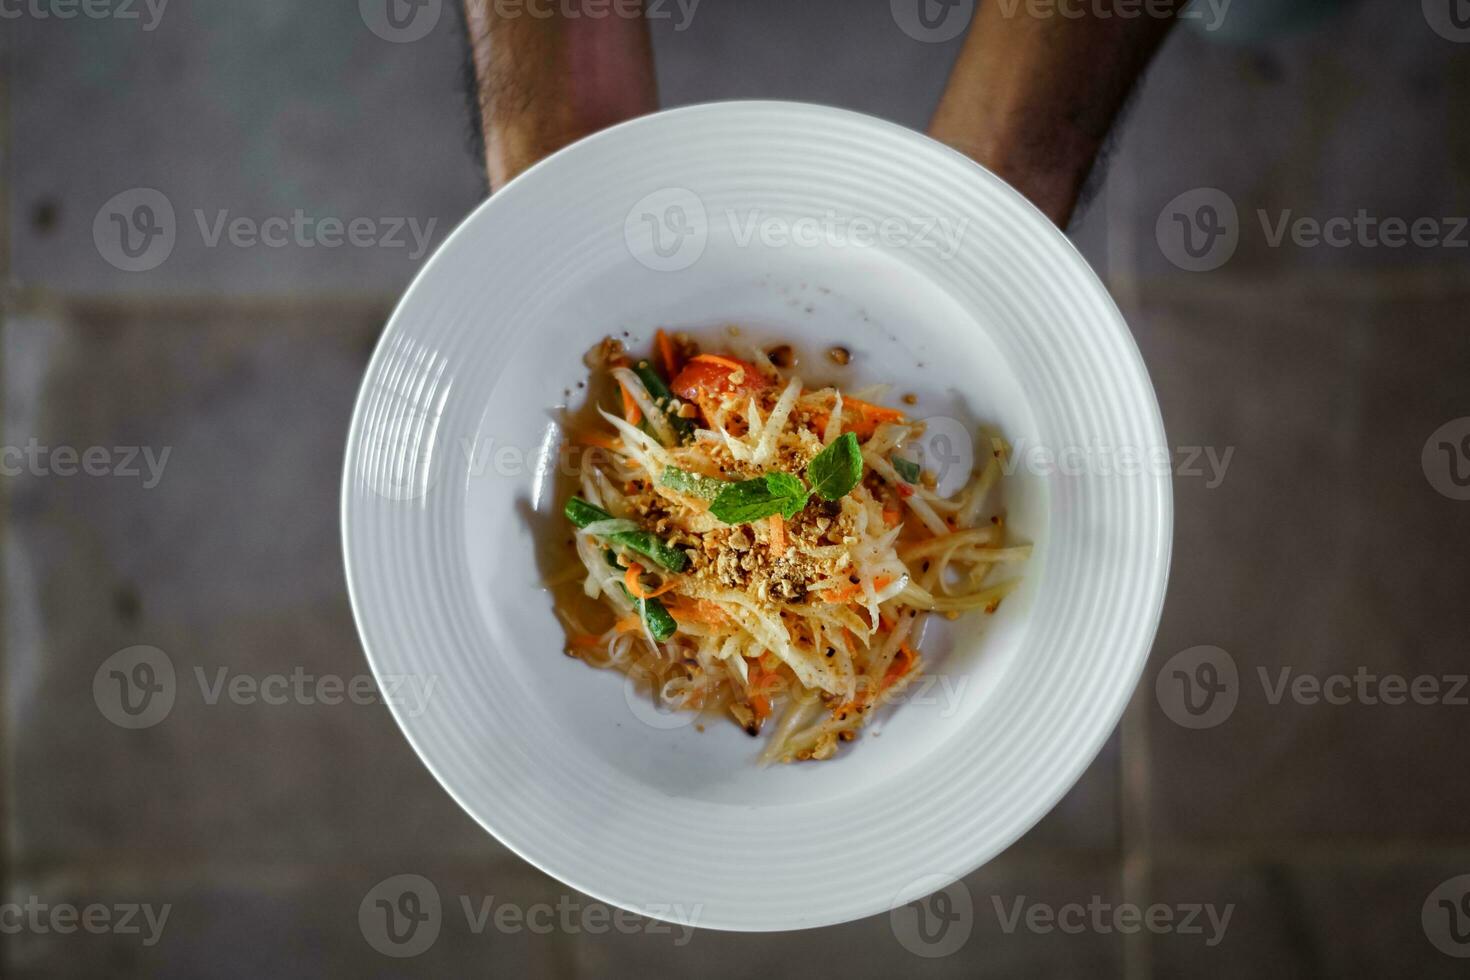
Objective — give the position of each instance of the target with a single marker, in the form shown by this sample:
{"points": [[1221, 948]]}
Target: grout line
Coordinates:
{"points": [[1120, 246], [1358, 852], [1121, 276], [7, 153], [204, 866], [7, 767], [41, 298], [1369, 283], [128, 864], [1137, 842], [1133, 767], [172, 863]]}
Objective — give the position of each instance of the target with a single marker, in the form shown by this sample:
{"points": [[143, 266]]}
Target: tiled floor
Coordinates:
{"points": [[1316, 546]]}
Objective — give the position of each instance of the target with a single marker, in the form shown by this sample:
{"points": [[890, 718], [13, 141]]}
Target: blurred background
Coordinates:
{"points": [[174, 422]]}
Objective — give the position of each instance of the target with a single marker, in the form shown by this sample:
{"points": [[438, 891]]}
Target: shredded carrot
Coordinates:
{"points": [[868, 417], [867, 420], [666, 352], [762, 679], [658, 591], [838, 595], [778, 535], [849, 592], [761, 705], [689, 612], [877, 413], [901, 665], [628, 624], [586, 640], [699, 611], [721, 360], [890, 517], [631, 412], [630, 580], [597, 439]]}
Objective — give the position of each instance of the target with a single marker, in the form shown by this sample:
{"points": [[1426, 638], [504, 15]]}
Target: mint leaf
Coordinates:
{"points": [[907, 469], [790, 490], [834, 471], [693, 484], [784, 485], [753, 500]]}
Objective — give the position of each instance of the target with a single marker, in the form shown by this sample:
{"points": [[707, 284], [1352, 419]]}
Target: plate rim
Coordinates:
{"points": [[1157, 573]]}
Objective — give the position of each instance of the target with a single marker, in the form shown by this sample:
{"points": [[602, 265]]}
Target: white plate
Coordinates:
{"points": [[450, 501]]}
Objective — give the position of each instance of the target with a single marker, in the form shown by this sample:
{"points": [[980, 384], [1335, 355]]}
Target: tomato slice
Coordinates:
{"points": [[716, 374]]}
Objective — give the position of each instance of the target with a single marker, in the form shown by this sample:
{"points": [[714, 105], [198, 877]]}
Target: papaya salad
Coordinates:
{"points": [[752, 547]]}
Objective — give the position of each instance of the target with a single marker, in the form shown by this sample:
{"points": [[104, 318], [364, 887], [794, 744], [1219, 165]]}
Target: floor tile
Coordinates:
{"points": [[855, 56], [226, 559], [1307, 390], [1309, 919], [760, 49], [284, 921], [1000, 920], [1087, 818], [1358, 114], [249, 111], [1323, 552]]}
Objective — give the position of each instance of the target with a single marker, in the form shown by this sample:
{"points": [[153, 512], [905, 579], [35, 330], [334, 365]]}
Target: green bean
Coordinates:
{"points": [[654, 613], [660, 623], [663, 397], [582, 513]]}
